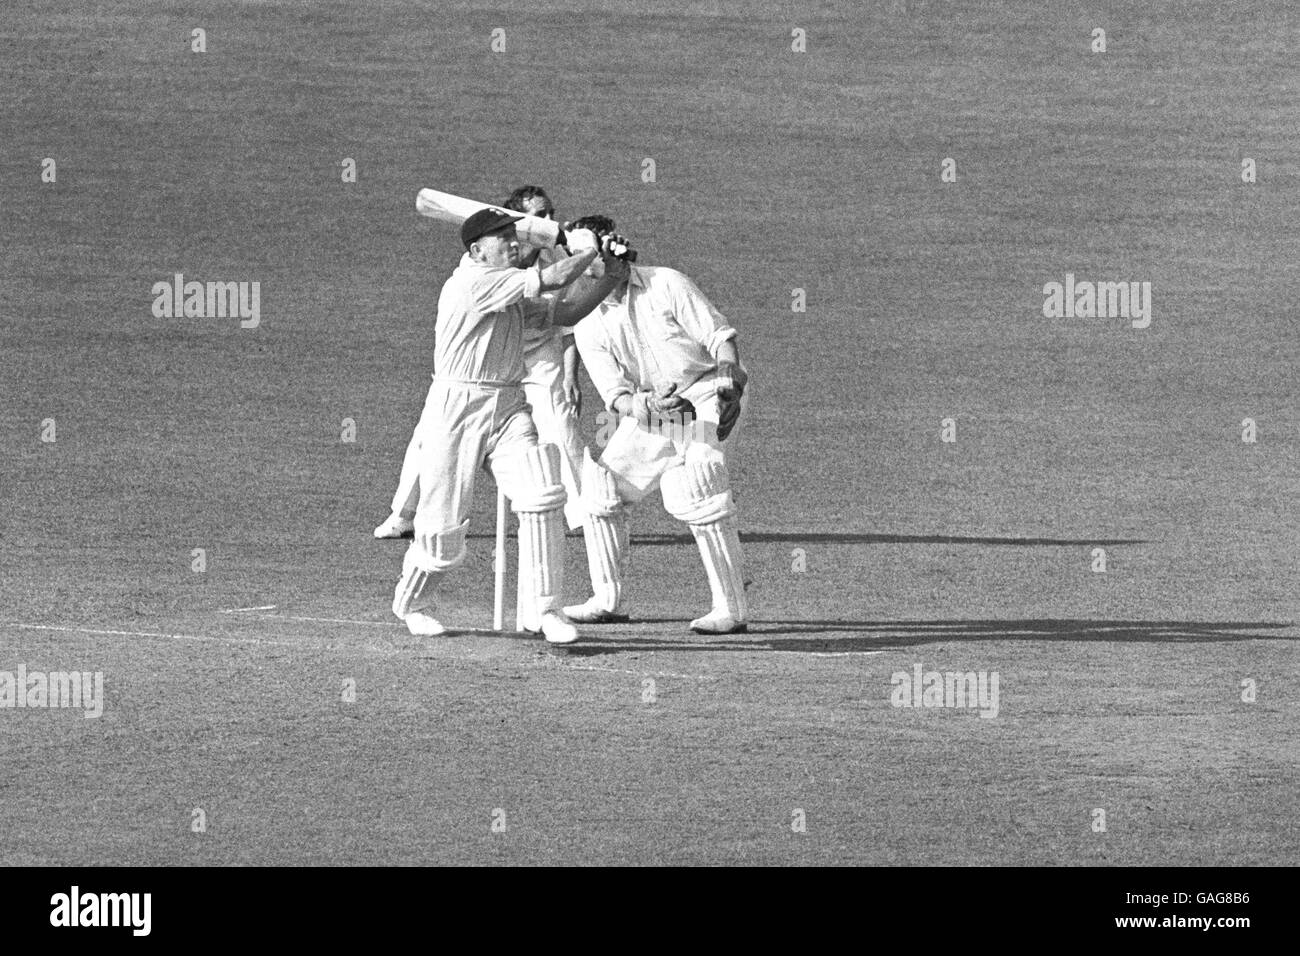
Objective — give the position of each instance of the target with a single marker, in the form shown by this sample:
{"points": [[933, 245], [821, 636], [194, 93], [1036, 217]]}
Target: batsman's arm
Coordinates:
{"points": [[572, 310], [569, 312], [563, 273], [584, 248]]}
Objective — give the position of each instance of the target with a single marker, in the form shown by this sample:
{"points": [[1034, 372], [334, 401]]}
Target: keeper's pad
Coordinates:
{"points": [[428, 558], [607, 555], [698, 491], [531, 479], [541, 562], [606, 533], [720, 549], [599, 487]]}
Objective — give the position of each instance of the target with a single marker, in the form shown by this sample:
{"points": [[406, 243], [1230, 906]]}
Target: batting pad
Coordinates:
{"points": [[698, 492], [441, 551], [531, 479], [607, 553], [541, 559], [428, 558], [720, 548]]}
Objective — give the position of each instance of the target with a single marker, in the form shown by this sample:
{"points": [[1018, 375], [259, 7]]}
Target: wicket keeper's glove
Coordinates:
{"points": [[653, 408], [731, 382], [727, 416]]}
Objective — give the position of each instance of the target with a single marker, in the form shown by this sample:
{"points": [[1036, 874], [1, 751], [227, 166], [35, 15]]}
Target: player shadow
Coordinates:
{"points": [[858, 636], [831, 537]]}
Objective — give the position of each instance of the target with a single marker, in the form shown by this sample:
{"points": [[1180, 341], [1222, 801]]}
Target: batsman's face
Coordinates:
{"points": [[500, 249]]}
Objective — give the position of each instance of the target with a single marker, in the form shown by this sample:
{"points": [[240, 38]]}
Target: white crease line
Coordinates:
{"points": [[236, 610], [451, 631], [619, 670], [328, 620], [172, 637]]}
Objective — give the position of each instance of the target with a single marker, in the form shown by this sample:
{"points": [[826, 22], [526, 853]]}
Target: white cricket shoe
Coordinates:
{"points": [[591, 612], [423, 625], [718, 622], [396, 527], [558, 629]]}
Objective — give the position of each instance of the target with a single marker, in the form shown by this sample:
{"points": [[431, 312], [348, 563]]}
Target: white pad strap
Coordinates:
{"points": [[720, 549], [531, 479], [698, 492]]}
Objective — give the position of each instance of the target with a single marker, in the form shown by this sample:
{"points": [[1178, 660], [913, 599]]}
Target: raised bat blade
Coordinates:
{"points": [[447, 207]]}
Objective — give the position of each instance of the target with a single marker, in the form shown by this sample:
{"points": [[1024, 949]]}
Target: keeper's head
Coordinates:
{"points": [[602, 226]]}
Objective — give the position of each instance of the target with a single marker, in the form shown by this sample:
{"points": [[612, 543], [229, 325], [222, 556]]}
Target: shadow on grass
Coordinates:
{"points": [[790, 537], [858, 636], [830, 537]]}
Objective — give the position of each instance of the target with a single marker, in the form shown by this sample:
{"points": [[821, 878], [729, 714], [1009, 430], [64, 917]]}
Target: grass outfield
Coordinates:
{"points": [[873, 546]]}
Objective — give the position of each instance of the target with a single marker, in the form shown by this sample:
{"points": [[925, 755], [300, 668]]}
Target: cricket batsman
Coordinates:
{"points": [[476, 415], [665, 361], [550, 385]]}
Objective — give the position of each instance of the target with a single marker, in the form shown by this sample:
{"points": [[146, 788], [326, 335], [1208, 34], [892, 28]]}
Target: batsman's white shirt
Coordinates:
{"points": [[555, 420], [476, 408], [482, 312]]}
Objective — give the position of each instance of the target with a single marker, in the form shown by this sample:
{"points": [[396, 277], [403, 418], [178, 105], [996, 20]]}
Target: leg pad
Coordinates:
{"points": [[719, 545], [531, 479], [427, 559], [698, 491]]}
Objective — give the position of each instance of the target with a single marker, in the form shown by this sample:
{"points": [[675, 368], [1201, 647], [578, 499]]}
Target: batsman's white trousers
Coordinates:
{"points": [[556, 422], [465, 426]]}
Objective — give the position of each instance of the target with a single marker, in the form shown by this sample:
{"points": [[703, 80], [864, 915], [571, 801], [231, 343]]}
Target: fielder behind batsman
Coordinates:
{"points": [[661, 355], [476, 414]]}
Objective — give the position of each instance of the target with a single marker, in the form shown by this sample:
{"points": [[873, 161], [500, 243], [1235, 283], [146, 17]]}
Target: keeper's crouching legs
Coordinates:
{"points": [[699, 493], [530, 478], [605, 529]]}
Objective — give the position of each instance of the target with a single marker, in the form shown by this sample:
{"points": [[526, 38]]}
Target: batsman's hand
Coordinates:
{"points": [[581, 240], [614, 251], [731, 382]]}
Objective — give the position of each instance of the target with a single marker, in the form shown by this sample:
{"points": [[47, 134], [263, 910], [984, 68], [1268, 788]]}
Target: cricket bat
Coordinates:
{"points": [[456, 209]]}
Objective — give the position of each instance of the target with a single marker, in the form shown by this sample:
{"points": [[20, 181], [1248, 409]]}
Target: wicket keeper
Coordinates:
{"points": [[659, 352]]}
